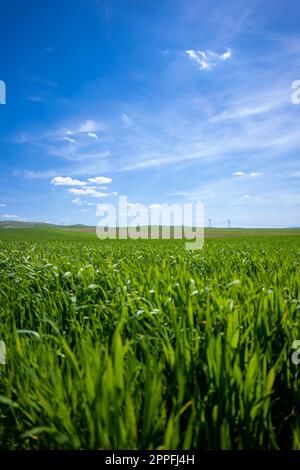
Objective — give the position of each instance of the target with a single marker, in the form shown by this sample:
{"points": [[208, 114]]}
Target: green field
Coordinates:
{"points": [[120, 344]]}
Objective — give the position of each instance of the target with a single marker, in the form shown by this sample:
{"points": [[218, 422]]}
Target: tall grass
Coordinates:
{"points": [[142, 344]]}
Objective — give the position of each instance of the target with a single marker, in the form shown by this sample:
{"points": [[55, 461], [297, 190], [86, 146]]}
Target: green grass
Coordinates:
{"points": [[142, 344], [44, 234], [49, 233]]}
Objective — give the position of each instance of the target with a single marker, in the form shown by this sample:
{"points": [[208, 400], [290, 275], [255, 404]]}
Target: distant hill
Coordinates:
{"points": [[18, 224], [14, 224]]}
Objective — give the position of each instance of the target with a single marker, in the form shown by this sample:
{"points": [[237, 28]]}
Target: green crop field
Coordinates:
{"points": [[120, 344]]}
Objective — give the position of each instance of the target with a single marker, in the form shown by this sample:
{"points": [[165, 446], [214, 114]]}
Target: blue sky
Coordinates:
{"points": [[162, 101]]}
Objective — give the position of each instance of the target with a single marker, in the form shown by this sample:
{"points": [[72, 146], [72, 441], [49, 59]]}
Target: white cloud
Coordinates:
{"points": [[2, 205], [86, 192], [114, 193], [77, 201], [242, 173], [208, 59], [100, 180], [69, 139], [253, 198], [226, 55], [66, 181], [200, 58], [93, 135], [88, 127]]}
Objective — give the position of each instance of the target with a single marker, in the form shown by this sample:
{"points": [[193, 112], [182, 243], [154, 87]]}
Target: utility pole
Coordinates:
{"points": [[209, 223]]}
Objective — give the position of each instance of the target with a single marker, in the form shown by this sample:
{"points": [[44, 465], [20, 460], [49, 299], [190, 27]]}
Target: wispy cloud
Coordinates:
{"points": [[208, 59], [36, 99], [87, 192], [75, 142], [192, 132], [100, 180], [39, 174], [242, 173], [87, 127], [69, 139], [126, 120], [66, 181], [254, 104], [41, 81]]}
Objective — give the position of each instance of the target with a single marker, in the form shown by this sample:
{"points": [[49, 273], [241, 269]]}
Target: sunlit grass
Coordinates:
{"points": [[142, 344]]}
